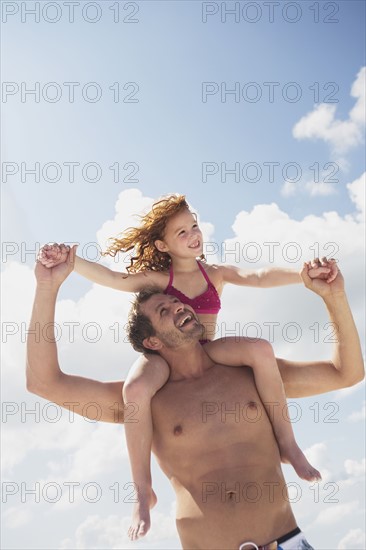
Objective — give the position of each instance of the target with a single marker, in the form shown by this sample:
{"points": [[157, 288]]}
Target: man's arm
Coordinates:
{"points": [[44, 376], [346, 367]]}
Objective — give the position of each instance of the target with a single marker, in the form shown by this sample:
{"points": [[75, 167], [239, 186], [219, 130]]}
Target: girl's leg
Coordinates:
{"points": [[259, 355], [146, 377]]}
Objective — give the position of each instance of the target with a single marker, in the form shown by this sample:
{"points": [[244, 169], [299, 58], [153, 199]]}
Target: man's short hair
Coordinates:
{"points": [[139, 325]]}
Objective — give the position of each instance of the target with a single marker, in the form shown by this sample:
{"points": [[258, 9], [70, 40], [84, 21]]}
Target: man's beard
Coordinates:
{"points": [[173, 338]]}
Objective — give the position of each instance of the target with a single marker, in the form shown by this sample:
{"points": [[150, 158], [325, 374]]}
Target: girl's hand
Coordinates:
{"points": [[324, 269], [53, 254]]}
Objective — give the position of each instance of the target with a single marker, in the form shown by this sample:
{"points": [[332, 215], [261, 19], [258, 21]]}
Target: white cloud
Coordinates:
{"points": [[356, 416], [91, 458], [267, 223], [347, 392], [111, 532], [129, 206], [330, 227], [357, 194], [354, 468], [253, 227], [289, 188], [353, 540], [333, 514], [68, 433], [322, 188], [17, 516], [342, 135], [309, 187]]}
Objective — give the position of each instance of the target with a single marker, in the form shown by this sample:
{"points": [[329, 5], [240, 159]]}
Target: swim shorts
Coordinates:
{"points": [[294, 540]]}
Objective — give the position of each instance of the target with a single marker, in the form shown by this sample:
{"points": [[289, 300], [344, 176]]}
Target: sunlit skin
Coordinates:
{"points": [[209, 460], [183, 241]]}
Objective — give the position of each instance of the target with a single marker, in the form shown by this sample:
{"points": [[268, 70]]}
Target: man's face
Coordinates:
{"points": [[174, 323]]}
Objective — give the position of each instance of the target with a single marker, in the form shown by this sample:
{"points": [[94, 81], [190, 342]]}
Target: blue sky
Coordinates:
{"points": [[170, 132], [166, 137]]}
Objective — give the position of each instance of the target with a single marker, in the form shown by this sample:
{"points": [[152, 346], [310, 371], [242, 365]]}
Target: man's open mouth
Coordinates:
{"points": [[185, 320]]}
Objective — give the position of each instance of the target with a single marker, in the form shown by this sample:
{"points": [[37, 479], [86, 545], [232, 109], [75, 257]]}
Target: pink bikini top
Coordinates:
{"points": [[207, 302]]}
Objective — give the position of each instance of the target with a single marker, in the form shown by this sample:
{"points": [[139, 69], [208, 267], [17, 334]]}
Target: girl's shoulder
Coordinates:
{"points": [[214, 272], [156, 278]]}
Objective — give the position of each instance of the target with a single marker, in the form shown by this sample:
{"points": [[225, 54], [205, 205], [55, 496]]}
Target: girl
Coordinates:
{"points": [[166, 247]]}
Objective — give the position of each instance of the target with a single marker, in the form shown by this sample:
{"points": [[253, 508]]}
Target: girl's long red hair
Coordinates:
{"points": [[142, 239]]}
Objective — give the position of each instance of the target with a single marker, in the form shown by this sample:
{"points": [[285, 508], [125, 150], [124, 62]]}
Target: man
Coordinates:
{"points": [[226, 471]]}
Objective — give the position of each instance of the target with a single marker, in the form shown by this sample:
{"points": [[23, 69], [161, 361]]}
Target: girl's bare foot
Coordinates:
{"points": [[141, 515], [292, 454]]}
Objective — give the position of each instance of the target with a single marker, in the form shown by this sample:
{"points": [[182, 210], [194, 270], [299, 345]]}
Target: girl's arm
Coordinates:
{"points": [[52, 255], [274, 276], [102, 275]]}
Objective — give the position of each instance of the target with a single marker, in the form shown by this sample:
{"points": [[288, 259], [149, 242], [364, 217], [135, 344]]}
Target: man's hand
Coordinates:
{"points": [[53, 277], [323, 269], [326, 287], [53, 254]]}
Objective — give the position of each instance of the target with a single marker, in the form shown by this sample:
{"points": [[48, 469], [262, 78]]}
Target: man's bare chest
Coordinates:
{"points": [[222, 403]]}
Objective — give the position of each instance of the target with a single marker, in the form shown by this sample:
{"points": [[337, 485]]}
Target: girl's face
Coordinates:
{"points": [[182, 237]]}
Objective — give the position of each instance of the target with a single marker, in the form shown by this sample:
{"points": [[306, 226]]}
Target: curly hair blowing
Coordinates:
{"points": [[142, 239]]}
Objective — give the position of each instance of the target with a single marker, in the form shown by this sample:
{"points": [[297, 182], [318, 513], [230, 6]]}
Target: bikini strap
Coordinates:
{"points": [[204, 273]]}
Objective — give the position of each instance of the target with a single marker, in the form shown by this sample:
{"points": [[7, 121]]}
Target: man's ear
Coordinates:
{"points": [[161, 246], [152, 343]]}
